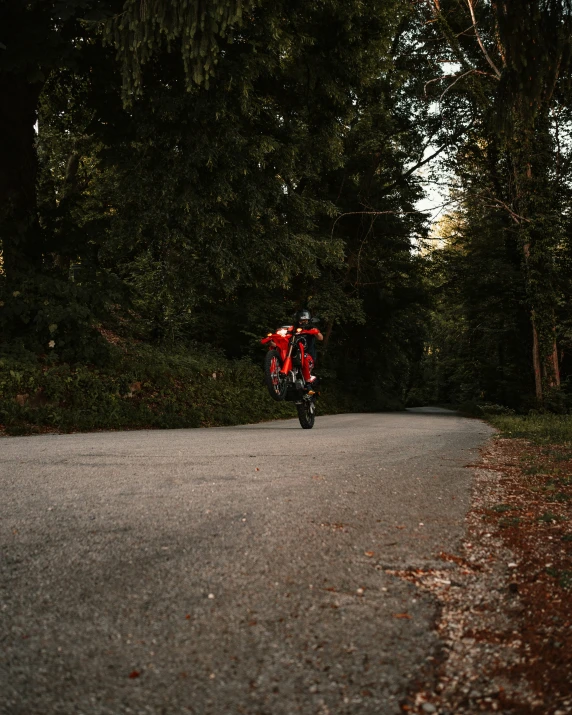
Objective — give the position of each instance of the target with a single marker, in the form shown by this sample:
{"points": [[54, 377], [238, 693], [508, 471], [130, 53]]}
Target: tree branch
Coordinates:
{"points": [[515, 217], [485, 53], [425, 161]]}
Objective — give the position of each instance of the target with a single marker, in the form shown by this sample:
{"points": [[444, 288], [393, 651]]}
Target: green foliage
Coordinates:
{"points": [[146, 387], [245, 159], [49, 315], [143, 28], [207, 212], [503, 267], [492, 287], [540, 428]]}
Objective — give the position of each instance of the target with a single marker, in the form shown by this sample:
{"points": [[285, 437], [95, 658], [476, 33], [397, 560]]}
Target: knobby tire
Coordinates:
{"points": [[275, 383], [306, 414]]}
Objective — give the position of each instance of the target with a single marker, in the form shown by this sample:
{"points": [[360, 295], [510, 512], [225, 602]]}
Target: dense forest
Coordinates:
{"points": [[177, 177]]}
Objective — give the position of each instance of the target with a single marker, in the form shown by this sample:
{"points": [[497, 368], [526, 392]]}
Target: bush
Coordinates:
{"points": [[539, 428], [145, 387], [482, 409]]}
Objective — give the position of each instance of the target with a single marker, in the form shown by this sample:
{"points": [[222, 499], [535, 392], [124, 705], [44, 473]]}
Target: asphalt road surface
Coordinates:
{"points": [[229, 570]]}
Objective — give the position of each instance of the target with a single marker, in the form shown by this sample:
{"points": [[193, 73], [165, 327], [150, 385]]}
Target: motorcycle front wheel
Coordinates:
{"points": [[306, 413], [275, 381]]}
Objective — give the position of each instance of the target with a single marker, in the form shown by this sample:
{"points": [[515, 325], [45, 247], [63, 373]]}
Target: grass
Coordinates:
{"points": [[540, 429]]}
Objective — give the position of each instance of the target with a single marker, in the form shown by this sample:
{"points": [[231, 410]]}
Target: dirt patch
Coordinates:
{"points": [[506, 597]]}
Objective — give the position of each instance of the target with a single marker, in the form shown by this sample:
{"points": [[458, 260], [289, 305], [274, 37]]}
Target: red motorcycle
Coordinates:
{"points": [[287, 370]]}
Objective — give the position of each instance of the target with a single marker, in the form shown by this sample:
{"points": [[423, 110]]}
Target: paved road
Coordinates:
{"points": [[225, 570]]}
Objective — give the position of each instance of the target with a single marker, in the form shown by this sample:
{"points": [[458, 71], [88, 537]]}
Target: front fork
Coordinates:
{"points": [[287, 366]]}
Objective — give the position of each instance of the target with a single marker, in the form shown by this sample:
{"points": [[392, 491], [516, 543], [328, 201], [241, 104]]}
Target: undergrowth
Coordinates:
{"points": [[145, 387], [540, 429]]}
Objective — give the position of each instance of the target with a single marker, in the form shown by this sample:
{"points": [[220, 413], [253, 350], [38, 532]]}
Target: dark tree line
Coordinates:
{"points": [[200, 170], [505, 272]]}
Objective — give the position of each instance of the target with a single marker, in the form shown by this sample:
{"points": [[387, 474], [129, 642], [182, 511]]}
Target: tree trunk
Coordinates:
{"points": [[553, 367], [19, 230], [536, 359], [327, 337], [543, 322], [546, 367]]}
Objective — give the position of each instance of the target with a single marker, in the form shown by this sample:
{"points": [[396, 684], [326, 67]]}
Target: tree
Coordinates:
{"points": [[189, 196], [41, 37], [513, 69]]}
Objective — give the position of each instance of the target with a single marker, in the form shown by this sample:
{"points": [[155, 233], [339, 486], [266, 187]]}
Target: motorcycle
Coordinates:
{"points": [[287, 371]]}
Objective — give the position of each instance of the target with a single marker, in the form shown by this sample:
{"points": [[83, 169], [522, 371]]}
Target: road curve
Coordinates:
{"points": [[228, 570]]}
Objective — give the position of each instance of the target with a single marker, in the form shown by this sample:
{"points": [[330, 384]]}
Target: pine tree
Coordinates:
{"points": [[37, 38]]}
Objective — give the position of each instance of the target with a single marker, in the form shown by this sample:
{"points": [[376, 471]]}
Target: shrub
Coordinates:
{"points": [[145, 387], [539, 428]]}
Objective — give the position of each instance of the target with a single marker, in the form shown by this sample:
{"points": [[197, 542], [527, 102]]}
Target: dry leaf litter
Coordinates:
{"points": [[506, 598]]}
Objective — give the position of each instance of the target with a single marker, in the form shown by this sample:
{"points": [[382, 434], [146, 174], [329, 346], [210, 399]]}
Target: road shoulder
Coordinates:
{"points": [[504, 597]]}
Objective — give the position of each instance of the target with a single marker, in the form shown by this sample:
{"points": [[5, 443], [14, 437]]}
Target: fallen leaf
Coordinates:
{"points": [[133, 388], [401, 615], [252, 623], [369, 553], [400, 527]]}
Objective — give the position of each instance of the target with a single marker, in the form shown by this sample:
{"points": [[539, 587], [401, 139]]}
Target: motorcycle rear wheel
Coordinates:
{"points": [[306, 413], [275, 381]]}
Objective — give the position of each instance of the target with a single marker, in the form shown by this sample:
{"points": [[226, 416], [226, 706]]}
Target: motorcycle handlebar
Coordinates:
{"points": [[290, 334]]}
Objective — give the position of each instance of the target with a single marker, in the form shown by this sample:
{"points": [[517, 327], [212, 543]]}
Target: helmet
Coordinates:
{"points": [[304, 317]]}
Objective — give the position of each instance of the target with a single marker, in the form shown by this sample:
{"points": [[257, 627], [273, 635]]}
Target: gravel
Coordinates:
{"points": [[491, 660]]}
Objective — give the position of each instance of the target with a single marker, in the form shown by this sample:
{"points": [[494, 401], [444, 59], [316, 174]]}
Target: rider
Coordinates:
{"points": [[303, 319]]}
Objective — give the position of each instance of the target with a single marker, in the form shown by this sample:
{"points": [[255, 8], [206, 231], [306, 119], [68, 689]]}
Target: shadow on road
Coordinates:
{"points": [[431, 410]]}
